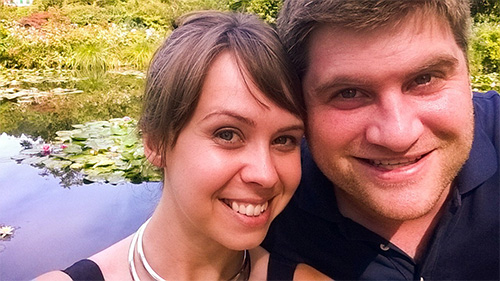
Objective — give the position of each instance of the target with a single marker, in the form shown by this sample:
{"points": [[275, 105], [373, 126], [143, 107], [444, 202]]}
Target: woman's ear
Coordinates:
{"points": [[152, 152]]}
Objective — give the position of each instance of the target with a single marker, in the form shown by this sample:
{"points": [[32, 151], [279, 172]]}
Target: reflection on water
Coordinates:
{"points": [[56, 226]]}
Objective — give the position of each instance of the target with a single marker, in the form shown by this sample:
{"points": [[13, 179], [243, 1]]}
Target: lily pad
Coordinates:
{"points": [[103, 151]]}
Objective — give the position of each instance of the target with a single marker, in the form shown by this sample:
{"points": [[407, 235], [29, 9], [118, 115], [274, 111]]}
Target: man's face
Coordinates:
{"points": [[390, 116]]}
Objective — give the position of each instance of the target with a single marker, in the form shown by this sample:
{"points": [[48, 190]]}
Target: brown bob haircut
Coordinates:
{"points": [[179, 67], [298, 19]]}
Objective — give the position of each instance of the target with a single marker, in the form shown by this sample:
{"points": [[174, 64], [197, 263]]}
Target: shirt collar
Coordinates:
{"points": [[482, 162]]}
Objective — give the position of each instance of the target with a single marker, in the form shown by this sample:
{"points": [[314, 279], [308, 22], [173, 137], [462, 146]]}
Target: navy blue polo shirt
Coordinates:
{"points": [[465, 243]]}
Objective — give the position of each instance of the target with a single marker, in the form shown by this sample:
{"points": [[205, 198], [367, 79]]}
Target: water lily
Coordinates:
{"points": [[6, 231], [46, 149]]}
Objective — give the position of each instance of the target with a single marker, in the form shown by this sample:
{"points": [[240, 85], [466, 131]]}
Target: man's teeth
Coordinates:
{"points": [[393, 164], [250, 209]]}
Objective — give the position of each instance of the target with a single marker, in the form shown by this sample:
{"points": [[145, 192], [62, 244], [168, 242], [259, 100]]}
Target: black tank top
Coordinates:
{"points": [[89, 270]]}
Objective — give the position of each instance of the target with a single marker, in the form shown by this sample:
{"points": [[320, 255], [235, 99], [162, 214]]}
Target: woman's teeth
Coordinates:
{"points": [[246, 209]]}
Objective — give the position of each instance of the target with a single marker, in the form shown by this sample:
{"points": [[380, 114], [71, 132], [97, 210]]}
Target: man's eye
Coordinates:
{"points": [[423, 79], [348, 93]]}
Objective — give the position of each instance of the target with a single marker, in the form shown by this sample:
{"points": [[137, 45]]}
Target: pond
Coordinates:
{"points": [[55, 226]]}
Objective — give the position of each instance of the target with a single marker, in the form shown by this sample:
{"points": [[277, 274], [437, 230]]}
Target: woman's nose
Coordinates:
{"points": [[259, 168]]}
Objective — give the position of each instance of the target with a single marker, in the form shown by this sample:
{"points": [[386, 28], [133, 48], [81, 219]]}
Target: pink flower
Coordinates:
{"points": [[126, 118], [63, 146], [46, 149]]}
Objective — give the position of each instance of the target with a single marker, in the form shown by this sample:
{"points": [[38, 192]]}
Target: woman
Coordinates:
{"points": [[223, 119]]}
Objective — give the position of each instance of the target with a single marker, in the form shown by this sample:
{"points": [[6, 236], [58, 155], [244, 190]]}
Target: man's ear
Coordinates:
{"points": [[151, 151]]}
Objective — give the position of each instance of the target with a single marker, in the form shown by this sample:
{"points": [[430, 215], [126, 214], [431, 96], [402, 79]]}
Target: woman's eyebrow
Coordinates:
{"points": [[231, 114]]}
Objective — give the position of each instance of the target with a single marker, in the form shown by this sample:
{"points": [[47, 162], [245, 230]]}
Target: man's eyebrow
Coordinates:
{"points": [[439, 62], [442, 61], [231, 114], [339, 81]]}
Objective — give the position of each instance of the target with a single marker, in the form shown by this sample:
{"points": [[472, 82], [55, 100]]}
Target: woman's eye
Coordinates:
{"points": [[286, 141], [226, 135], [423, 79]]}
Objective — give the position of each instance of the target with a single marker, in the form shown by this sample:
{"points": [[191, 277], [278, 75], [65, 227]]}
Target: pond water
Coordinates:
{"points": [[56, 226]]}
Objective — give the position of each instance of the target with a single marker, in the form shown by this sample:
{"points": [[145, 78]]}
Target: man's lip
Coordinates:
{"points": [[394, 162]]}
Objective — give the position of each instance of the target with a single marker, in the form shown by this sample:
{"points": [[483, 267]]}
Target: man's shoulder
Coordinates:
{"points": [[487, 113], [481, 169], [490, 99]]}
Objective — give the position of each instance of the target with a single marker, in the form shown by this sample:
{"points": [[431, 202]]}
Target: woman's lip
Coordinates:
{"points": [[245, 208], [251, 221]]}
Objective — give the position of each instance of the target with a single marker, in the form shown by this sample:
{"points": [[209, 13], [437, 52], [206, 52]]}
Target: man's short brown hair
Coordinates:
{"points": [[298, 18]]}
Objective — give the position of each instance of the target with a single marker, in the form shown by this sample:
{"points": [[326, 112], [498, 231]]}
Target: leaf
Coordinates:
{"points": [[80, 136], [73, 149], [50, 163], [104, 163]]}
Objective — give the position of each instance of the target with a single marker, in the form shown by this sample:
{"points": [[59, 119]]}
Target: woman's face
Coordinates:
{"points": [[235, 165]]}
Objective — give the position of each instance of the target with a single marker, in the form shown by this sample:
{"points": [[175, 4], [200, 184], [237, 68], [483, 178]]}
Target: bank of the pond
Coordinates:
{"points": [[42, 102]]}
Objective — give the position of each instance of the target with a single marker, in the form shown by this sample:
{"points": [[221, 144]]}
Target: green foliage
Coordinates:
{"points": [[9, 13], [44, 5], [486, 82], [485, 9], [485, 48], [265, 9], [90, 59], [139, 49], [155, 14]]}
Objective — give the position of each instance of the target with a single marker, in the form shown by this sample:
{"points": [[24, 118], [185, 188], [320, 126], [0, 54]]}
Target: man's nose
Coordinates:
{"points": [[396, 124]]}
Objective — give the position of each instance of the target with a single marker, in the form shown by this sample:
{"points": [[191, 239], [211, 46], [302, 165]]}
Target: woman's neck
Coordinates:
{"points": [[177, 252]]}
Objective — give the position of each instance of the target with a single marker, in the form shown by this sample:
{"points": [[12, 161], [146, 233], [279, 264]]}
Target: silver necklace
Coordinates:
{"points": [[244, 271]]}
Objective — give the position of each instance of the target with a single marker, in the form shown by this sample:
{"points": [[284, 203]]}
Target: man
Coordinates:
{"points": [[400, 170]]}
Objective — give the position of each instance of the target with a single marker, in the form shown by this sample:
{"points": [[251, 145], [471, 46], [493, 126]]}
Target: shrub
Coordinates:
{"points": [[485, 48], [265, 9], [44, 5], [485, 9]]}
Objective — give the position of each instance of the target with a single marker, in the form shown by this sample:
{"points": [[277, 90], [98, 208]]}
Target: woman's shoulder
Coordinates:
{"points": [[111, 263], [306, 272], [56, 275]]}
